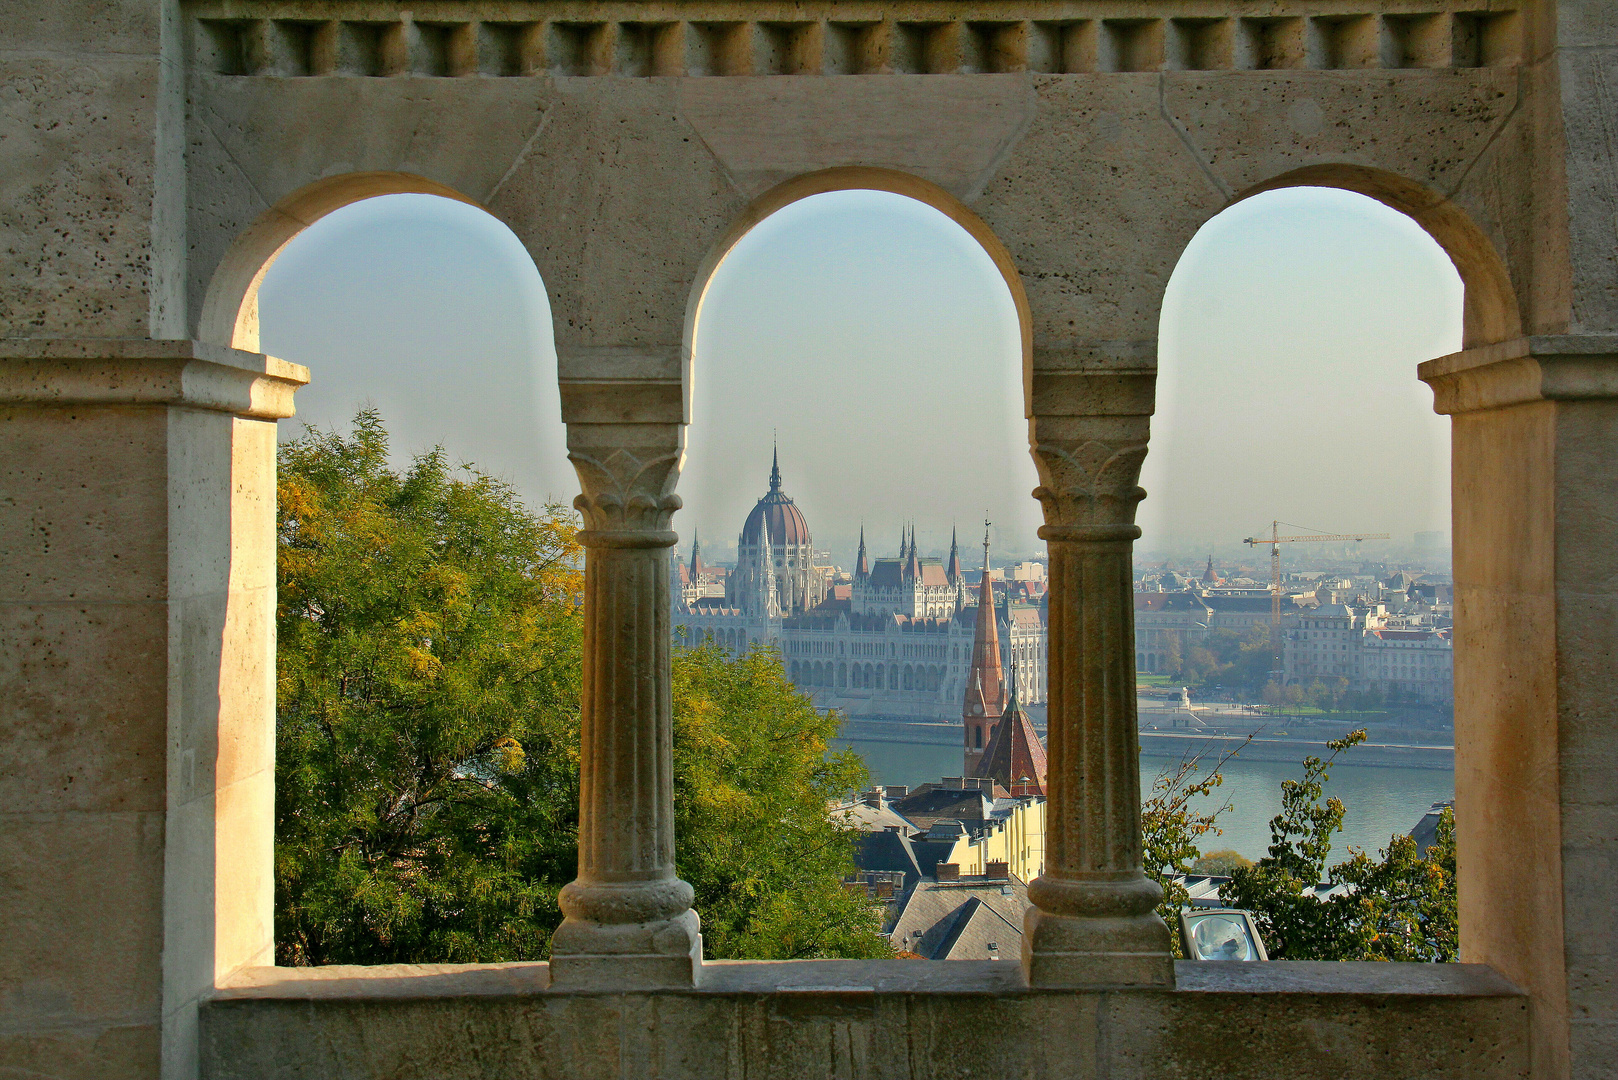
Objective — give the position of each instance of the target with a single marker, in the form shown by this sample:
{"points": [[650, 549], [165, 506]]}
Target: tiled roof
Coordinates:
{"points": [[1014, 752], [924, 807], [957, 921]]}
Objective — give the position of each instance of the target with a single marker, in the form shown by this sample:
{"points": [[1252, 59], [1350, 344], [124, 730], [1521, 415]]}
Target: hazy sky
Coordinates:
{"points": [[875, 340]]}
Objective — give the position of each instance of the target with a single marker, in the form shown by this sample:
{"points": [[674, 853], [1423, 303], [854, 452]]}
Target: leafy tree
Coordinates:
{"points": [[427, 681], [427, 734], [753, 781], [1221, 863], [1405, 905], [1401, 908], [1171, 828]]}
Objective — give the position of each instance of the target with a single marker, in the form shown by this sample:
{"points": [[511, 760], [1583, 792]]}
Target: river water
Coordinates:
{"points": [[1379, 801]]}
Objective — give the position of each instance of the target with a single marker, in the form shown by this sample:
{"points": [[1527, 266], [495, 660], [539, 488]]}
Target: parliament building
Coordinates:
{"points": [[893, 640]]}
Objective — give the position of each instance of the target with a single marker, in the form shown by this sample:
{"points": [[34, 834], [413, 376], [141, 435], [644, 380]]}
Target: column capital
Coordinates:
{"points": [[1088, 471], [1546, 367], [627, 474]]}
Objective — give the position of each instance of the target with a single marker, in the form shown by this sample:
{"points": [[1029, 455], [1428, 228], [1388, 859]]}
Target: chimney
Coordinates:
{"points": [[872, 798], [997, 871], [896, 791], [947, 871]]}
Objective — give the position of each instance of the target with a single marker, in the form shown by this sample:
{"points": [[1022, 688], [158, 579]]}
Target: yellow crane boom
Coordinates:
{"points": [[1275, 540]]}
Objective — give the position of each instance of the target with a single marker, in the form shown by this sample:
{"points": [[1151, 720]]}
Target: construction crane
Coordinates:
{"points": [[1275, 540]]}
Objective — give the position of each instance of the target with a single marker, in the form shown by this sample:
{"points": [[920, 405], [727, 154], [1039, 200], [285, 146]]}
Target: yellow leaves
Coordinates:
{"points": [[509, 756], [422, 664]]}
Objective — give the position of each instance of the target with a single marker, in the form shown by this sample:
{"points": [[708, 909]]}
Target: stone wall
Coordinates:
{"points": [[921, 1019]]}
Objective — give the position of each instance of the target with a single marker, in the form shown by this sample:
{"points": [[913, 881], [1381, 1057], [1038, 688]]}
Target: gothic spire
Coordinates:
{"points": [[912, 566], [861, 567], [696, 555], [986, 692], [953, 570], [775, 469]]}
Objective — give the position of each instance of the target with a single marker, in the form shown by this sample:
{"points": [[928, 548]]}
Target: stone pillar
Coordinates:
{"points": [[628, 920], [1535, 481], [137, 694], [1093, 922]]}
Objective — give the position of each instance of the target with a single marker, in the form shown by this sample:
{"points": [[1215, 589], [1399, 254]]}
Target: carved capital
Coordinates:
{"points": [[1089, 472], [627, 473]]}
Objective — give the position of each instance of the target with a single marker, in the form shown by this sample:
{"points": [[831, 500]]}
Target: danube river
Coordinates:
{"points": [[1379, 801]]}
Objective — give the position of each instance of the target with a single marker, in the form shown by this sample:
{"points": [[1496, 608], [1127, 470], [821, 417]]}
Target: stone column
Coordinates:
{"points": [[1535, 481], [628, 920], [137, 694], [1093, 922]]}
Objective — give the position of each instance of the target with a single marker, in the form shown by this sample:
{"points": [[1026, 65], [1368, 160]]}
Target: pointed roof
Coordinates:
{"points": [[696, 556], [1208, 575], [912, 568], [1015, 758], [986, 691], [953, 567], [862, 568], [775, 468]]}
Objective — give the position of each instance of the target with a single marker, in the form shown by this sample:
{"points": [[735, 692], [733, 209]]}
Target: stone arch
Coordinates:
{"points": [[842, 673], [230, 306], [1490, 312], [851, 178]]}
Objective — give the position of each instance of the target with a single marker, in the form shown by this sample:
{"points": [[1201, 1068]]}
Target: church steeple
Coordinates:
{"points": [[953, 570], [912, 566], [696, 556], [985, 691], [775, 469], [862, 568], [1015, 758]]}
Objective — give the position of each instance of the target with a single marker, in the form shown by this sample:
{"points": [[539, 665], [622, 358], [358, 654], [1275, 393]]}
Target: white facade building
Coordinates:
{"points": [[895, 642]]}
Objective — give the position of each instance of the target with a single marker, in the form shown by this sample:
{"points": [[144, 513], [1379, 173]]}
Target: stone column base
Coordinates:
{"points": [[663, 954], [1083, 952]]}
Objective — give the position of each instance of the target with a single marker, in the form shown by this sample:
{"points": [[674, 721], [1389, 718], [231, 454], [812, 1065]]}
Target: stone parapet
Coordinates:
{"points": [[859, 1019]]}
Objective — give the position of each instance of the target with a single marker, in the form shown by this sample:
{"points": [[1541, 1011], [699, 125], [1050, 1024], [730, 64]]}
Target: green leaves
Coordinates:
{"points": [[427, 726], [426, 736], [1401, 908], [752, 783]]}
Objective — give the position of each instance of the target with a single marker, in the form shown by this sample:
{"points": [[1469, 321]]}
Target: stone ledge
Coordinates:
{"points": [[869, 1019], [139, 371], [1555, 367]]}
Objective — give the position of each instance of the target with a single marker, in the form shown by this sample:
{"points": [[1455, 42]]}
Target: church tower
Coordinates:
{"points": [[985, 686], [862, 568], [1015, 758]]}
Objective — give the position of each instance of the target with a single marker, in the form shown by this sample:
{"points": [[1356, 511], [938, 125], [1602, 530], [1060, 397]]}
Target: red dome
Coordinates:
{"points": [[785, 520]]}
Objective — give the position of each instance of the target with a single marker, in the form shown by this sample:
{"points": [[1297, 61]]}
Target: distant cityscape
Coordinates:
{"points": [[892, 637]]}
